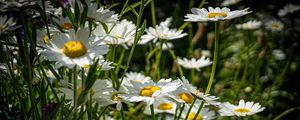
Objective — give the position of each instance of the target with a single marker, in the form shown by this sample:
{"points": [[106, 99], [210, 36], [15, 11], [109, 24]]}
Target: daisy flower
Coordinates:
{"points": [[274, 25], [164, 46], [136, 78], [162, 105], [42, 35], [184, 93], [243, 109], [205, 113], [229, 2], [193, 63], [101, 14], [161, 31], [74, 48], [289, 8], [120, 34], [208, 99], [64, 23], [6, 23], [66, 89], [149, 91], [214, 14], [250, 25], [105, 94], [103, 65], [278, 54]]}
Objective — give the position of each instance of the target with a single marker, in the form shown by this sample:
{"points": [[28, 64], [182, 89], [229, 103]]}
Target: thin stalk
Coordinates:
{"points": [[215, 59], [157, 64], [175, 59], [135, 39], [153, 13], [152, 112], [191, 46], [121, 57], [192, 74], [176, 112], [181, 109], [190, 108], [122, 114], [197, 113], [286, 112], [74, 71]]}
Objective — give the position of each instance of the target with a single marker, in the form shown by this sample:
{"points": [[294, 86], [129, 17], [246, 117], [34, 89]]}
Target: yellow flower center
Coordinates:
{"points": [[46, 39], [86, 66], [78, 91], [138, 81], [149, 90], [241, 110], [118, 36], [1, 27], [74, 49], [193, 115], [115, 96], [165, 35], [66, 26], [165, 106], [275, 26], [186, 97], [213, 15]]}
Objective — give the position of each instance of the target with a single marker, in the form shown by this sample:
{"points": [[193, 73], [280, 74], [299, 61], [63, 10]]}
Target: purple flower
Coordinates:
{"points": [[64, 3]]}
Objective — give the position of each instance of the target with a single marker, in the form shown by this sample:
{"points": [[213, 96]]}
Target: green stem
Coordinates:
{"points": [[197, 113], [181, 109], [191, 46], [153, 13], [215, 60], [122, 114], [201, 4], [286, 112], [121, 57], [142, 6], [175, 59], [176, 111], [152, 112], [192, 74], [190, 108]]}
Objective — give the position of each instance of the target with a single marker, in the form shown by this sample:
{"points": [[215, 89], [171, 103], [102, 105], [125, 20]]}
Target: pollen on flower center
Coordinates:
{"points": [[78, 91], [115, 96], [165, 35], [275, 26], [138, 81], [118, 36], [165, 106], [74, 49], [186, 97], [1, 27], [46, 39], [213, 15], [149, 90], [193, 115], [241, 110], [66, 26]]}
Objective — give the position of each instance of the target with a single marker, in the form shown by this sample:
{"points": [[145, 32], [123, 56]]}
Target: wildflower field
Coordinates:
{"points": [[149, 60]]}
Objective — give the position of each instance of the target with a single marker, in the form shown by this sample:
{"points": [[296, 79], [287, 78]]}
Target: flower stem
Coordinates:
{"points": [[192, 74], [215, 60], [153, 13], [175, 59], [152, 112], [197, 113], [181, 109], [187, 114]]}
